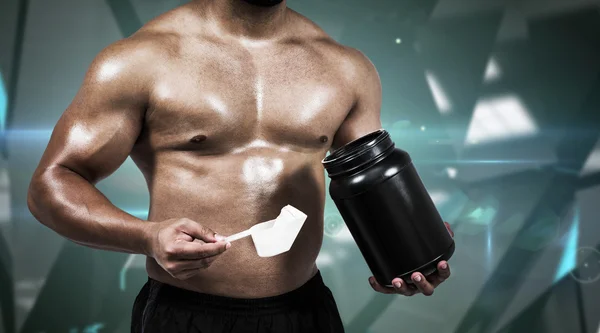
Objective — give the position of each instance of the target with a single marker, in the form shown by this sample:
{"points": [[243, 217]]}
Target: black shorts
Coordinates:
{"points": [[166, 309]]}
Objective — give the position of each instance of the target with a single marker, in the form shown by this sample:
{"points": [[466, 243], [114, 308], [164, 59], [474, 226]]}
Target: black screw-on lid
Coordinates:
{"points": [[358, 153]]}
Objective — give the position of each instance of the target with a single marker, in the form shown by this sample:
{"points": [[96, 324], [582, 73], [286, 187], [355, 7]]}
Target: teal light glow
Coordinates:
{"points": [[94, 328], [123, 272], [569, 256], [3, 104], [142, 214], [29, 135], [489, 249], [482, 215], [139, 213]]}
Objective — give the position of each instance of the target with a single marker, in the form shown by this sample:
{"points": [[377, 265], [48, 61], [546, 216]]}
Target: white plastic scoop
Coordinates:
{"points": [[275, 236]]}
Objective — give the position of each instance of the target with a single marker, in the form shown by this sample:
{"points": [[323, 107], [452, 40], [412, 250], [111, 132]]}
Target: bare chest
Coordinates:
{"points": [[222, 98]]}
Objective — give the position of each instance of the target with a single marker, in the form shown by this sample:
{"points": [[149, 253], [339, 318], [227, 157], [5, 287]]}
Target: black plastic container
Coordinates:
{"points": [[387, 209]]}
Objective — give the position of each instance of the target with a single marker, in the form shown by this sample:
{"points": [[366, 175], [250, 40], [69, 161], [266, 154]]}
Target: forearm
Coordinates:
{"points": [[71, 206]]}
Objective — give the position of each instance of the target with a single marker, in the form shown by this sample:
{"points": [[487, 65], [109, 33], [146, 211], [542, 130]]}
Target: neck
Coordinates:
{"points": [[241, 19]]}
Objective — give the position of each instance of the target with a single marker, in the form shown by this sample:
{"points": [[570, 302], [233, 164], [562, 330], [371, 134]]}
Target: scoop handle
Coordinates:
{"points": [[239, 235]]}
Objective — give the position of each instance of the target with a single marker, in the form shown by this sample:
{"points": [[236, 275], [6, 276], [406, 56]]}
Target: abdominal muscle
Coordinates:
{"points": [[231, 193]]}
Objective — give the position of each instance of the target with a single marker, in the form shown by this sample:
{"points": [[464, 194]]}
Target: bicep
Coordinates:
{"points": [[364, 117], [96, 133]]}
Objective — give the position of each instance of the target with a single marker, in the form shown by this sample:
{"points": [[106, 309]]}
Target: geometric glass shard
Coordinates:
{"points": [[500, 118]]}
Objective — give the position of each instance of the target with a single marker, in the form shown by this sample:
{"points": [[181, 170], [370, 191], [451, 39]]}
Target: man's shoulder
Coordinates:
{"points": [[141, 45], [131, 63], [156, 40], [348, 57]]}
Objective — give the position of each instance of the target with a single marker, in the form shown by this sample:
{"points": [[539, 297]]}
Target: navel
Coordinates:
{"points": [[198, 139]]}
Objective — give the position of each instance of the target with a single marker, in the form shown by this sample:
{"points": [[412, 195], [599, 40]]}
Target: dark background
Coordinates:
{"points": [[498, 102]]}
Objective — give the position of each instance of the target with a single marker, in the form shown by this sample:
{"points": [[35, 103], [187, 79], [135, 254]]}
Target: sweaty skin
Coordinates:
{"points": [[228, 122]]}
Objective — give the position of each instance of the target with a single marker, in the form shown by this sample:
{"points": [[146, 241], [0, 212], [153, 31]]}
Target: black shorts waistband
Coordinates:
{"points": [[306, 295]]}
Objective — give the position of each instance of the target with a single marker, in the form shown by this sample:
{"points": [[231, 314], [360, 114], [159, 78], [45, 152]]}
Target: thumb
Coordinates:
{"points": [[449, 229], [199, 231]]}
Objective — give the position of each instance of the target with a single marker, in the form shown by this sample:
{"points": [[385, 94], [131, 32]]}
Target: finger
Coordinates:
{"points": [[443, 270], [449, 229], [422, 284], [196, 250], [203, 263], [197, 230], [403, 288], [435, 280], [186, 274], [379, 288], [219, 237], [176, 268]]}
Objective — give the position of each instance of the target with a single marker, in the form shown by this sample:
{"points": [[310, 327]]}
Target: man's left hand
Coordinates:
{"points": [[421, 284]]}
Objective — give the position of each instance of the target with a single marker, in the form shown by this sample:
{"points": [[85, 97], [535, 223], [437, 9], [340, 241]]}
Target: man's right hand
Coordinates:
{"points": [[182, 247]]}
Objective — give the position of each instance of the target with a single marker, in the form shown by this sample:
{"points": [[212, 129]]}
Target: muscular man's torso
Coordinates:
{"points": [[233, 132]]}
